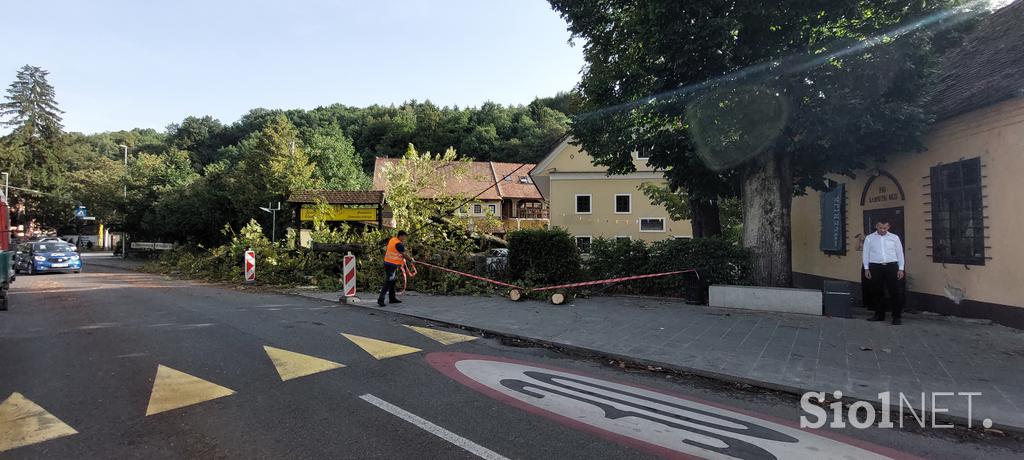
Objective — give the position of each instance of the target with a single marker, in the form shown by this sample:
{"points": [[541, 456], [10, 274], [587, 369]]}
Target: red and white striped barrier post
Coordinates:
{"points": [[250, 266], [349, 275]]}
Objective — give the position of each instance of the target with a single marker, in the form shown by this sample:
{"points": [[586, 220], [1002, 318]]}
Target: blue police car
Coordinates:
{"points": [[47, 256]]}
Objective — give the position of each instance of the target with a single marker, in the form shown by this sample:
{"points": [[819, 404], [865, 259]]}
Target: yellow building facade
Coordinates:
{"points": [[589, 203]]}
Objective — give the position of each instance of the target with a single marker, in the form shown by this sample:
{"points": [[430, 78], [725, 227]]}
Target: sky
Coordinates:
{"points": [[125, 64]]}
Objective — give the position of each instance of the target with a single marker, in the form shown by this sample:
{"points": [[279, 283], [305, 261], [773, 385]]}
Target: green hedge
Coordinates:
{"points": [[718, 261], [542, 257]]}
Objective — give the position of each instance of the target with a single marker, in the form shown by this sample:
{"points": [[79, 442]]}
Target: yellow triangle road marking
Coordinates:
{"points": [[291, 365], [23, 422], [446, 338], [173, 389], [380, 349]]}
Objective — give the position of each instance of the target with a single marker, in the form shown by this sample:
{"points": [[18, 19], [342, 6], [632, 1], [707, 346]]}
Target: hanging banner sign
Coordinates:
{"points": [[337, 213], [833, 220]]}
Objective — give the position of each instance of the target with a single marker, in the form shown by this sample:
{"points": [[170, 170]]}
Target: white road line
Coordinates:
{"points": [[469, 446]]}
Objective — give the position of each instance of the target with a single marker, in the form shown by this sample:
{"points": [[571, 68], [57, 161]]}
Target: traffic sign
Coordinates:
{"points": [[250, 266], [349, 274], [81, 212]]}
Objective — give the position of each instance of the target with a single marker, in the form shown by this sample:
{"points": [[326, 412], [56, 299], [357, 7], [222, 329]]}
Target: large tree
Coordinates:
{"points": [[338, 166], [32, 150], [32, 113], [273, 164], [200, 136], [150, 179], [763, 99]]}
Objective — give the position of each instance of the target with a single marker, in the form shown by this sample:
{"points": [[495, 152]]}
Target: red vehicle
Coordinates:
{"points": [[6, 255], [5, 224]]}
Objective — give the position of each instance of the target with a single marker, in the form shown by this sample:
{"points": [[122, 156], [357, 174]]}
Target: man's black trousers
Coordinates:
{"points": [[884, 279], [390, 279]]}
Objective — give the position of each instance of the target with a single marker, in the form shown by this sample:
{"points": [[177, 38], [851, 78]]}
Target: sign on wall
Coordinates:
{"points": [[882, 190], [338, 213], [833, 220]]}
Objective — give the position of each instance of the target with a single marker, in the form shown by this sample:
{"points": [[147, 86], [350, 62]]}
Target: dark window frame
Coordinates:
{"points": [[590, 203], [958, 213], [589, 244], [664, 224], [629, 203]]}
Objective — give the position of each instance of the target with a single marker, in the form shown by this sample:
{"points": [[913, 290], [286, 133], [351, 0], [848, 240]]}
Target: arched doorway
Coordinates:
{"points": [[883, 198]]}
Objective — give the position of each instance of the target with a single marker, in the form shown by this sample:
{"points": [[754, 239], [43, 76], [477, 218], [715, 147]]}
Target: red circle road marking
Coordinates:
{"points": [[664, 424]]}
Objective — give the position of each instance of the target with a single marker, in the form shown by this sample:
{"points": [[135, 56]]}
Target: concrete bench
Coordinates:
{"points": [[782, 300]]}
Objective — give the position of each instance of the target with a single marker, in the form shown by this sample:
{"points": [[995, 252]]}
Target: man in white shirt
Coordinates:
{"points": [[883, 269]]}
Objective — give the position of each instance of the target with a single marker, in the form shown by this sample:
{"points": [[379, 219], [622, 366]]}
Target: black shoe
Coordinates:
{"points": [[877, 318], [394, 301], [380, 302], [897, 321]]}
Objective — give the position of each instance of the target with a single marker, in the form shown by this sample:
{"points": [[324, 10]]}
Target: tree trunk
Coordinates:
{"points": [[705, 219], [767, 202]]}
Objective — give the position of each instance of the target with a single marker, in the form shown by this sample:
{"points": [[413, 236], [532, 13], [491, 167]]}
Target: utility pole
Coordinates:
{"points": [[124, 220], [125, 147]]}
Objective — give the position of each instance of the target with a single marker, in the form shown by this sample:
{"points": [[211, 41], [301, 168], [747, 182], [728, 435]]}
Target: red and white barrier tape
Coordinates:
{"points": [[613, 280], [564, 286], [469, 275], [408, 271]]}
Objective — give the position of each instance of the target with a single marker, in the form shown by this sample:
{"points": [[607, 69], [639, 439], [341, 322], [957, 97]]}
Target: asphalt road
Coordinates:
{"points": [[85, 357]]}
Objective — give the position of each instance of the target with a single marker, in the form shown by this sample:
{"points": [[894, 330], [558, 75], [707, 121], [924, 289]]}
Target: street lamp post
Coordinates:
{"points": [[7, 185], [273, 219], [124, 220]]}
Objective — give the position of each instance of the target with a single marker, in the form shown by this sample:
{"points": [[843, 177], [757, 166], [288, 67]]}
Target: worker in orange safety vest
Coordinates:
{"points": [[394, 258]]}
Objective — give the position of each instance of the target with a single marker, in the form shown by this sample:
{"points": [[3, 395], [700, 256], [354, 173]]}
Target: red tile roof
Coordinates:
{"points": [[517, 182], [481, 178]]}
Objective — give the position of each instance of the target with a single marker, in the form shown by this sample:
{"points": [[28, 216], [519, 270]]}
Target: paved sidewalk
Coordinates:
{"points": [[794, 353]]}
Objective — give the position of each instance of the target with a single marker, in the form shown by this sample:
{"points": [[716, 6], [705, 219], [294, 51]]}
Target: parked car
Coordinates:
{"points": [[493, 261], [47, 256], [53, 239]]}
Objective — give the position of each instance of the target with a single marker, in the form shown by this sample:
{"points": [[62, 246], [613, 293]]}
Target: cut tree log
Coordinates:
{"points": [[559, 298], [515, 295]]}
